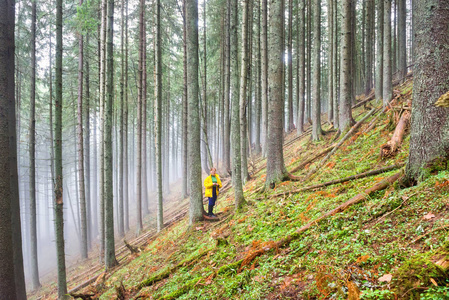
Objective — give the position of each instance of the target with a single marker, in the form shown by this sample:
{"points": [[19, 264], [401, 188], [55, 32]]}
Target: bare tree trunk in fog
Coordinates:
{"points": [[120, 221], [227, 75], [316, 104], [194, 124], [379, 49], [110, 260], [387, 75], [32, 144], [264, 73], [369, 46], [86, 120], [58, 205], [144, 126], [139, 118], [291, 125], [301, 79], [158, 118], [402, 38], [125, 128], [258, 82], [82, 195], [330, 58], [8, 192], [184, 108]]}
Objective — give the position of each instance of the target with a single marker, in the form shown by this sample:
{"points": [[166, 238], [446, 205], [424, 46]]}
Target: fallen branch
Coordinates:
{"points": [[82, 296], [265, 247], [369, 98], [305, 163], [391, 147], [337, 181], [131, 248], [347, 136]]}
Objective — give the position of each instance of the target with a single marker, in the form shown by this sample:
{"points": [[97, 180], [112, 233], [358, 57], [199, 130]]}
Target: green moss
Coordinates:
{"points": [[232, 267]]}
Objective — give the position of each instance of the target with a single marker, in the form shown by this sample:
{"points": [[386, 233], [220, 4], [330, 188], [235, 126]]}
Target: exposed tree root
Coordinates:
{"points": [[166, 273], [336, 181], [391, 147], [268, 246], [343, 139]]}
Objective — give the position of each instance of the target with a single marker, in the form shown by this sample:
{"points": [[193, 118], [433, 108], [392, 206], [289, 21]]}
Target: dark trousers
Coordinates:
{"points": [[212, 200]]}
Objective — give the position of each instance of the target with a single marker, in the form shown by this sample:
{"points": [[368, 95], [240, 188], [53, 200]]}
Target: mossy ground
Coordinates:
{"points": [[340, 258]]}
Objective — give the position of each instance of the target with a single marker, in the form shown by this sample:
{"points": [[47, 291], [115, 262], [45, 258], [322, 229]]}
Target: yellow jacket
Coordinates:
{"points": [[209, 185]]}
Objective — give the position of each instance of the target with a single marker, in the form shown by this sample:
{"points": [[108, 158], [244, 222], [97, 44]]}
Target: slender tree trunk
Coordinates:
{"points": [[227, 74], [258, 81], [144, 125], [301, 82], [139, 118], [110, 260], [309, 61], [158, 119], [82, 194], [194, 125], [86, 120], [291, 125], [330, 59], [402, 38], [346, 89], [58, 206], [264, 51], [120, 223], [125, 136], [8, 159], [369, 46], [243, 93], [429, 135], [235, 121], [380, 49], [387, 92], [184, 110], [316, 104], [204, 142], [32, 142]]}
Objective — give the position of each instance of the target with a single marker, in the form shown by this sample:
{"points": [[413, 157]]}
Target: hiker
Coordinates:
{"points": [[213, 185]]}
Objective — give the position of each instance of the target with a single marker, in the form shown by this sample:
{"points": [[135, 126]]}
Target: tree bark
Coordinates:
{"points": [[301, 80], [346, 89], [387, 92], [369, 46], [429, 146], [194, 125], [380, 49], [316, 104], [258, 83], [264, 74], [244, 65], [158, 119], [35, 284], [402, 39], [139, 117], [7, 182], [330, 58], [58, 205], [184, 109], [291, 125]]}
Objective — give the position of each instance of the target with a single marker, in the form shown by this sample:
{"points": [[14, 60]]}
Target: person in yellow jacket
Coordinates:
{"points": [[213, 185]]}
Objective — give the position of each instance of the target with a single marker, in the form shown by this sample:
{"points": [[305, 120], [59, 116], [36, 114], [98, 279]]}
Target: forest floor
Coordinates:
{"points": [[391, 245]]}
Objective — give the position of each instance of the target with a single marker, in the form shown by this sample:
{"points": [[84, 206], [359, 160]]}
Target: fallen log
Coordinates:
{"points": [[343, 139], [268, 246], [391, 147], [305, 163], [131, 248], [337, 181]]}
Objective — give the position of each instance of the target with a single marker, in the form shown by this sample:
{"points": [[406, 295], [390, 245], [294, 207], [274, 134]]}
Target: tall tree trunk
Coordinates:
{"points": [[194, 134], [330, 59], [139, 118], [369, 46], [316, 104], [125, 128], [264, 75], [242, 94], [32, 142], [82, 194], [335, 76], [380, 49], [275, 159], [158, 118], [227, 74], [110, 260], [120, 223], [204, 142], [184, 110], [346, 88], [301, 67], [8, 197], [144, 125], [402, 38], [429, 135], [387, 92], [58, 205], [86, 120], [235, 121], [309, 61], [291, 125], [258, 81]]}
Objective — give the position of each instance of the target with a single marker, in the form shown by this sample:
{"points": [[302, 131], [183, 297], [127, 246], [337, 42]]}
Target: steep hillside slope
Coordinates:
{"points": [[390, 245]]}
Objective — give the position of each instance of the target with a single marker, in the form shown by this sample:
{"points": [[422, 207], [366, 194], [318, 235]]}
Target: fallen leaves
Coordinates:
{"points": [[429, 216]]}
